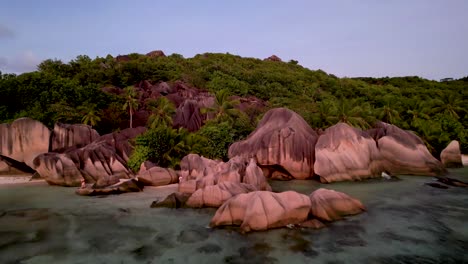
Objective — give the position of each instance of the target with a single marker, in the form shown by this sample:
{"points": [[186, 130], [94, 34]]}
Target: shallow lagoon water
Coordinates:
{"points": [[406, 222]]}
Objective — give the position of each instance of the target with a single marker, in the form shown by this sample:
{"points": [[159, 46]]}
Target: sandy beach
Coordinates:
{"points": [[17, 179]]}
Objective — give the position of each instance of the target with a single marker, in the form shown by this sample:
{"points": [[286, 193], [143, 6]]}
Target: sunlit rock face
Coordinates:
{"points": [[198, 172], [65, 136], [104, 161], [23, 140], [157, 176], [346, 153], [451, 156], [216, 195], [331, 205], [403, 152], [282, 141], [262, 210]]}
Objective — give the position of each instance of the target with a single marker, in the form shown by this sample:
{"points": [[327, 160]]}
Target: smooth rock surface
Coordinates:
{"points": [[282, 139], [157, 176], [403, 152], [262, 210], [330, 205], [451, 156], [23, 140], [344, 153], [65, 136], [216, 195]]}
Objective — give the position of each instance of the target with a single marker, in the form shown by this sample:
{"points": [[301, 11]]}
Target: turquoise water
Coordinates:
{"points": [[406, 222]]}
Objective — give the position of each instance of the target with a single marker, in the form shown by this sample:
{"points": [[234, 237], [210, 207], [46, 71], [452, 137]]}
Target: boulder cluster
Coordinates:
{"points": [[283, 146]]}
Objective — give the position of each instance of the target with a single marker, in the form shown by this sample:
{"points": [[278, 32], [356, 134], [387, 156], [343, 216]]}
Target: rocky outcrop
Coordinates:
{"points": [[451, 156], [216, 195], [157, 176], [329, 205], [23, 140], [188, 115], [156, 53], [130, 185], [283, 144], [65, 136], [273, 58], [104, 161], [346, 153], [198, 172], [403, 152], [263, 210], [173, 200]]}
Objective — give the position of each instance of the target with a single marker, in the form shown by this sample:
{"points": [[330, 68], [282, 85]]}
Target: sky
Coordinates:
{"points": [[375, 38]]}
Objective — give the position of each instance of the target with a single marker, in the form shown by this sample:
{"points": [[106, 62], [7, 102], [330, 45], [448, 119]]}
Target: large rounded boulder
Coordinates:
{"points": [[451, 156], [262, 210], [403, 152], [331, 205], [282, 142], [216, 195], [23, 140], [346, 153]]}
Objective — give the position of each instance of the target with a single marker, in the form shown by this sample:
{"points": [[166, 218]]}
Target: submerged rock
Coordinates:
{"points": [[452, 182], [346, 153], [331, 205], [130, 185], [451, 156], [173, 200], [282, 139], [262, 210], [403, 152]]}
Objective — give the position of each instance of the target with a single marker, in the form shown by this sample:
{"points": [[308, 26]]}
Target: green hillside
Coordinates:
{"points": [[67, 92]]}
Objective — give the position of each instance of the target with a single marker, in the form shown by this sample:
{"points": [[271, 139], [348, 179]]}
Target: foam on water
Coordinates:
{"points": [[406, 222]]}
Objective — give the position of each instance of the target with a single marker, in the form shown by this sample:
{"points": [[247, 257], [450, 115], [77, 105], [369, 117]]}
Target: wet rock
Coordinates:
{"points": [[130, 185], [452, 182], [209, 249], [451, 155], [284, 139], [262, 210], [312, 223], [23, 140], [436, 185], [173, 200], [192, 235], [403, 152], [346, 153], [331, 205]]}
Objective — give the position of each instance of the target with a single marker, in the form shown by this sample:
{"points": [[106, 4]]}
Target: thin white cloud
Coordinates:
{"points": [[6, 33], [26, 61]]}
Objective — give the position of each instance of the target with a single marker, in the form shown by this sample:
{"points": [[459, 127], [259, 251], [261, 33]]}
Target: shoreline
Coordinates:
{"points": [[18, 179]]}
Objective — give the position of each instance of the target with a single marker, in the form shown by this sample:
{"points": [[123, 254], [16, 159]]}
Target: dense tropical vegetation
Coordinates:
{"points": [[72, 93]]}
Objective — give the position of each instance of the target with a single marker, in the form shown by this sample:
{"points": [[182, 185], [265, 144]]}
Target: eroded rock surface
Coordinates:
{"points": [[157, 176], [216, 195], [451, 155], [130, 185], [23, 140], [346, 153], [331, 205], [282, 140], [403, 152], [262, 210], [65, 136]]}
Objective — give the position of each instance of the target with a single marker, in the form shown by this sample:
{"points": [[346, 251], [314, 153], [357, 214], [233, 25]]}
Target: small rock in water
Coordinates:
{"points": [[436, 185], [386, 176]]}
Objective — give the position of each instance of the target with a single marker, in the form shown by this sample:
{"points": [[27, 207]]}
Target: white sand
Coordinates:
{"points": [[16, 179]]}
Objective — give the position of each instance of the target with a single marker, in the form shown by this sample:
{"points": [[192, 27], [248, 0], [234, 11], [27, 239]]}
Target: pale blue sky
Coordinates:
{"points": [[375, 38]]}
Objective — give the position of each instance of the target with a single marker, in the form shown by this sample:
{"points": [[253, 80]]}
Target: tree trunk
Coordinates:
{"points": [[131, 118]]}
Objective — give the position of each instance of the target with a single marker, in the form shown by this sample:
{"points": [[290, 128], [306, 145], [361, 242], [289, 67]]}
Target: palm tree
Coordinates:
{"points": [[131, 102], [448, 103], [90, 117], [162, 111], [388, 114], [418, 114], [352, 112], [223, 107]]}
